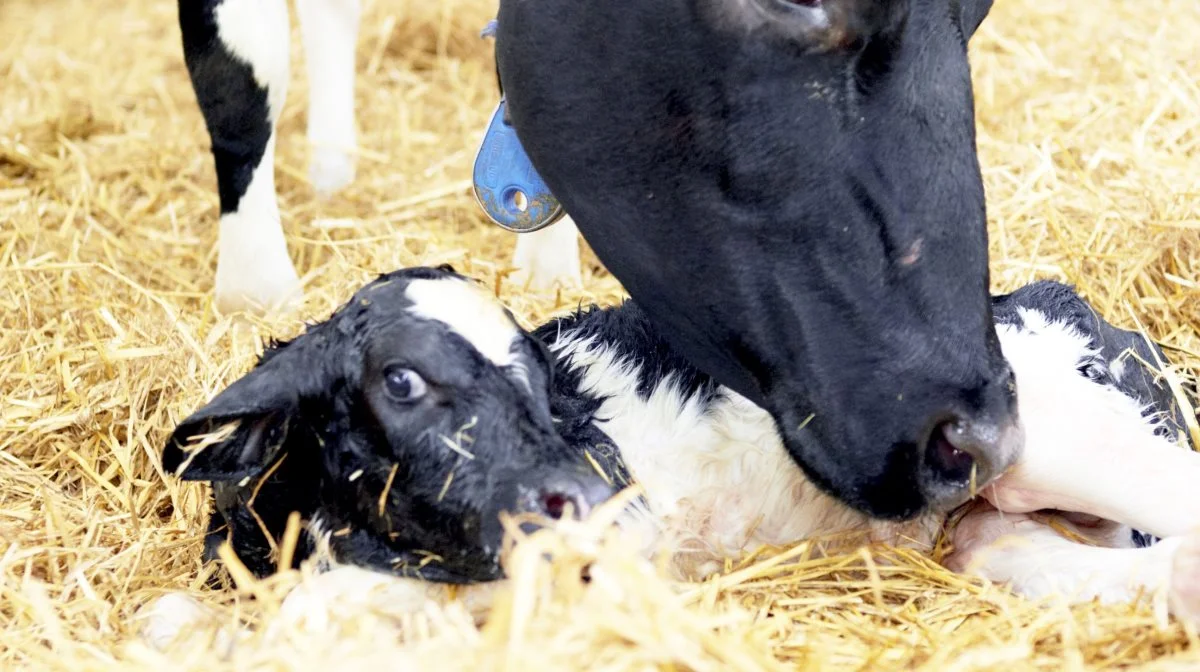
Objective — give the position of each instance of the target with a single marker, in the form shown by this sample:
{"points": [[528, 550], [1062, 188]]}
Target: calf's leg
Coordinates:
{"points": [[1130, 477], [329, 29], [1036, 561], [237, 57]]}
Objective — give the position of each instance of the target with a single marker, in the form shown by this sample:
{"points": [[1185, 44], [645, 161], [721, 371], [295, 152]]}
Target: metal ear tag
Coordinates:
{"points": [[507, 187]]}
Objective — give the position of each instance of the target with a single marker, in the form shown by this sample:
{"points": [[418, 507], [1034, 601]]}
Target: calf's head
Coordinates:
{"points": [[790, 189], [1050, 334], [406, 423]]}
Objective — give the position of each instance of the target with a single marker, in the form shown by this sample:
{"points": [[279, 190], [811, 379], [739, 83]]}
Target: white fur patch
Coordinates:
{"points": [[257, 32], [717, 478], [470, 312]]}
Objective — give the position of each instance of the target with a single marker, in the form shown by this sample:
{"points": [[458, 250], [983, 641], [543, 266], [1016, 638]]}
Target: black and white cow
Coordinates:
{"points": [[237, 54], [718, 482], [790, 190], [399, 429]]}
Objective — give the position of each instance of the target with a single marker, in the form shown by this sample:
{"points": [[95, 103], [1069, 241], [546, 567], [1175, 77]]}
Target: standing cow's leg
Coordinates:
{"points": [[237, 55], [330, 32], [548, 257]]}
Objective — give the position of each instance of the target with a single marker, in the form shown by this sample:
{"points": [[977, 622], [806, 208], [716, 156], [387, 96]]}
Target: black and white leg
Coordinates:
{"points": [[237, 56]]}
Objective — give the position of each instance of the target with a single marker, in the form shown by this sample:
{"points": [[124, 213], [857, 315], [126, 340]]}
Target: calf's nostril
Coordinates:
{"points": [[950, 454], [554, 504]]}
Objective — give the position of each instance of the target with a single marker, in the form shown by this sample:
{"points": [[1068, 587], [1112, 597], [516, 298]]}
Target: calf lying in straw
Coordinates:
{"points": [[398, 429], [717, 483]]}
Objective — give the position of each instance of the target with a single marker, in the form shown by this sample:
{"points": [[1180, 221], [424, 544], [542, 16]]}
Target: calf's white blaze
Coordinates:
{"points": [[470, 312]]}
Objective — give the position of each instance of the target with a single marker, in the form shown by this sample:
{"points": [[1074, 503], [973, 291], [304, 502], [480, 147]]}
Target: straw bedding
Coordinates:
{"points": [[1090, 140]]}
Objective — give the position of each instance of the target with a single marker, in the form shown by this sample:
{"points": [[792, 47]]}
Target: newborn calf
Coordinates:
{"points": [[399, 429], [718, 482]]}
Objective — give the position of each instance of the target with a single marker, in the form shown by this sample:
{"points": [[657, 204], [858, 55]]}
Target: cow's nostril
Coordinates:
{"points": [[949, 455]]}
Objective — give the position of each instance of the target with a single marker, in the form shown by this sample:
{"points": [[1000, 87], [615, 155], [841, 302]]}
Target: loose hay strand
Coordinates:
{"points": [[1088, 139]]}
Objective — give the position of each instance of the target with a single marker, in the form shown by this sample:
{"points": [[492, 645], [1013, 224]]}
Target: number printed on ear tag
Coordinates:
{"points": [[509, 190]]}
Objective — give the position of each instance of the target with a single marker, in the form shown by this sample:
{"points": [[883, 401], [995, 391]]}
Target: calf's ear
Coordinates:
{"points": [[1134, 362], [243, 429]]}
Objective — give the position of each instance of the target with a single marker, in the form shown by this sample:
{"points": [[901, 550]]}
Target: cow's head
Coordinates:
{"points": [[405, 424], [791, 191]]}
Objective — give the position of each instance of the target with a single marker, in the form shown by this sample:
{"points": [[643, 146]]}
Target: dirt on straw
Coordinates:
{"points": [[1089, 136]]}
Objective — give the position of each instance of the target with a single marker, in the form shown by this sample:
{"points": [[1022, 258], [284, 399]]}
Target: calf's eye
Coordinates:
{"points": [[1093, 371], [403, 384]]}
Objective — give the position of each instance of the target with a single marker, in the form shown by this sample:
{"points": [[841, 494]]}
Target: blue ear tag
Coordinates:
{"points": [[507, 187]]}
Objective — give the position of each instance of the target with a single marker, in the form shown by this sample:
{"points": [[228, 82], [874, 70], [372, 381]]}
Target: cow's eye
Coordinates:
{"points": [[403, 385], [1093, 371]]}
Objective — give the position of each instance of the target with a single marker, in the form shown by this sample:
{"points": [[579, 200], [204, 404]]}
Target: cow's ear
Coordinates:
{"points": [[971, 14], [244, 428]]}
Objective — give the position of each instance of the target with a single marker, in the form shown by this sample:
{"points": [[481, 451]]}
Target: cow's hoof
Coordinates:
{"points": [[548, 258], [330, 171], [265, 282], [1184, 593]]}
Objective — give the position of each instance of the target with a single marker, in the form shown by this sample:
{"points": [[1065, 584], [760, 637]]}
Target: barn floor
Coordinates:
{"points": [[1089, 135]]}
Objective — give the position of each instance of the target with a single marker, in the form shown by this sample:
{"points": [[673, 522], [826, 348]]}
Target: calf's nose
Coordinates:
{"points": [[570, 494]]}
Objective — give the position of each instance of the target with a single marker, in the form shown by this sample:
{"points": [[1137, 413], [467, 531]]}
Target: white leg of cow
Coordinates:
{"points": [[1089, 450], [548, 257], [237, 55], [329, 29], [1036, 561]]}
